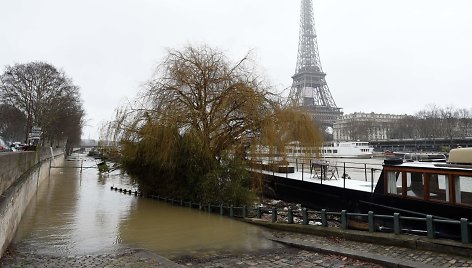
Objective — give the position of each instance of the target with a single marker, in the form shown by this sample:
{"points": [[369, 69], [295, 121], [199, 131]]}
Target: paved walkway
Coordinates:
{"points": [[384, 255], [295, 250]]}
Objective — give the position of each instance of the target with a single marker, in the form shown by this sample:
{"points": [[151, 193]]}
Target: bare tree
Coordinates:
{"points": [[12, 123], [46, 97]]}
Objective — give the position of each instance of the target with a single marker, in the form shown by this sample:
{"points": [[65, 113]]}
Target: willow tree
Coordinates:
{"points": [[187, 133]]}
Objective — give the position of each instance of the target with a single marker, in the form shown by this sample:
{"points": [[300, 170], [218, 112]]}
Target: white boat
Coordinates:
{"points": [[341, 149], [347, 149]]}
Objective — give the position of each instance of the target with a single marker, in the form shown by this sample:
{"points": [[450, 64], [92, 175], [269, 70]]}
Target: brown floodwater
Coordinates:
{"points": [[76, 213]]}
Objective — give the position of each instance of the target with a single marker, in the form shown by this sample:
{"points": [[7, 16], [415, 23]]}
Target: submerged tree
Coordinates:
{"points": [[189, 130]]}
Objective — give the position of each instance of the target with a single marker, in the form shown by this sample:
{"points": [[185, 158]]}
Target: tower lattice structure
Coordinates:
{"points": [[309, 90]]}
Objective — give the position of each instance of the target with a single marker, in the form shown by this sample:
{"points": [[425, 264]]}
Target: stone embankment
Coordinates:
{"points": [[20, 175]]}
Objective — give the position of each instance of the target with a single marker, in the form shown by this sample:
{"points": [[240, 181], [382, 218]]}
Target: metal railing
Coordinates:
{"points": [[324, 218], [320, 169]]}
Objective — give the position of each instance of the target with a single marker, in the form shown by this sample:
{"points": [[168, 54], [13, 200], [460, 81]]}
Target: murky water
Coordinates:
{"points": [[76, 213]]}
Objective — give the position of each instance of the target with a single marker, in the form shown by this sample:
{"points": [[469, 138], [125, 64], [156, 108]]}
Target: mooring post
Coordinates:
{"points": [[365, 172], [396, 223], [221, 209], [344, 219], [465, 233], [209, 208], [324, 219], [296, 163], [371, 221], [274, 214], [231, 211], [244, 211], [81, 165], [344, 174], [258, 212], [290, 216]]}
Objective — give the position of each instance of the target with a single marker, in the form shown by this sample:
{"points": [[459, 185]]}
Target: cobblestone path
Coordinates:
{"points": [[428, 258], [285, 257]]}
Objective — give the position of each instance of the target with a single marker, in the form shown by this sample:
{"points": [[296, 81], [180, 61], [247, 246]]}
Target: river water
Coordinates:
{"points": [[76, 213]]}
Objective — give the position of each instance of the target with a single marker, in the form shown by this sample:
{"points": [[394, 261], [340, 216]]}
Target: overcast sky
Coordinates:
{"points": [[379, 56]]}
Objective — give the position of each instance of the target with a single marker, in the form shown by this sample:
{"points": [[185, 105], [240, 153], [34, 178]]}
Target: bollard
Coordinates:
{"points": [[371, 221], [258, 213], [221, 209], [465, 234], [430, 227], [244, 211], [274, 214], [305, 216], [231, 212], [396, 223], [290, 216], [344, 219], [324, 219]]}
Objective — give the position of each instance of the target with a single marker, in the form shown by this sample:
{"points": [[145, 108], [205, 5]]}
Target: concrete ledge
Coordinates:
{"points": [[406, 241]]}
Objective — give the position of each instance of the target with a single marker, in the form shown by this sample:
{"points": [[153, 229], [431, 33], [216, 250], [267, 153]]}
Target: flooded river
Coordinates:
{"points": [[76, 213]]}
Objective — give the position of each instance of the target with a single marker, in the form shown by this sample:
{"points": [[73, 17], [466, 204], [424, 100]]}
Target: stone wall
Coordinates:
{"points": [[20, 175]]}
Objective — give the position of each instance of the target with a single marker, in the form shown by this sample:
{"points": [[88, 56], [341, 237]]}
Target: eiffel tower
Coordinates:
{"points": [[310, 91]]}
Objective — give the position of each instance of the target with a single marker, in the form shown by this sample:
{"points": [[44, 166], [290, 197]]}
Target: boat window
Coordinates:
{"points": [[414, 184], [464, 190], [438, 187], [394, 182]]}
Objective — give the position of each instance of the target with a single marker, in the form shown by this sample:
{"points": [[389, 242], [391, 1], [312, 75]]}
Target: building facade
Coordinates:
{"points": [[365, 126]]}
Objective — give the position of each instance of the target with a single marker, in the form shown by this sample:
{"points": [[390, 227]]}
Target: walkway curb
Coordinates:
{"points": [[389, 239], [362, 256]]}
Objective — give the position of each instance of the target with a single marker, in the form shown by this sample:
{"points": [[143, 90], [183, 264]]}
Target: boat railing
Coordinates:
{"points": [[321, 170]]}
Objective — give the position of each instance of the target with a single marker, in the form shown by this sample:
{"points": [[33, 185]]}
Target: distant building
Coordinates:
{"points": [[365, 126]]}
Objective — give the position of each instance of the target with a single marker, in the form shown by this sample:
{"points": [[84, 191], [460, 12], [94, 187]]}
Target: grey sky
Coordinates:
{"points": [[381, 56]]}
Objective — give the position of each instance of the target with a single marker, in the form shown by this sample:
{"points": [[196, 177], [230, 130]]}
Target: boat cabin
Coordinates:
{"points": [[447, 183]]}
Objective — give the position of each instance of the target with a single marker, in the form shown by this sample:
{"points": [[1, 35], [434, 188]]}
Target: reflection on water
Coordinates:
{"points": [[76, 213]]}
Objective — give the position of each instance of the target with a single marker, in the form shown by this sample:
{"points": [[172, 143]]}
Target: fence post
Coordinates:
{"points": [[396, 223], [344, 175], [244, 211], [371, 221], [430, 226], [274, 214], [305, 216], [302, 171], [324, 219], [231, 212], [221, 209], [289, 216], [344, 219], [465, 234], [371, 180], [258, 213]]}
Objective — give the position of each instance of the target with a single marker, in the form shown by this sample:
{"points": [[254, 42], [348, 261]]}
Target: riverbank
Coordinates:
{"points": [[292, 250]]}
